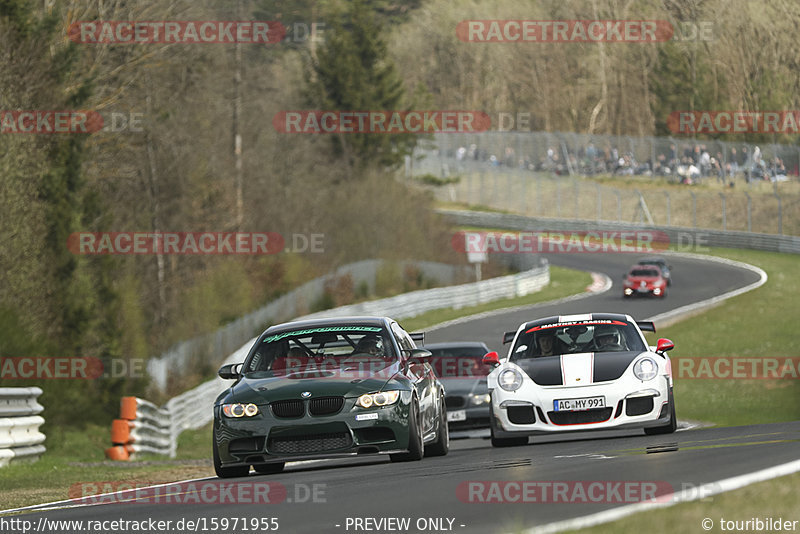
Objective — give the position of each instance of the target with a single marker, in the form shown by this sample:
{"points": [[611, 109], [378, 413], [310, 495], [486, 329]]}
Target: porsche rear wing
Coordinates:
{"points": [[646, 326]]}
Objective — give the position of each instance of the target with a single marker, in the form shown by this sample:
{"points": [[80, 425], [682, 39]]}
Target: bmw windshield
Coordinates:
{"points": [[321, 350]]}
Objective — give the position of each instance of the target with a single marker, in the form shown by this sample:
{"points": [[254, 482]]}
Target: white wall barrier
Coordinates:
{"points": [[143, 427], [20, 438]]}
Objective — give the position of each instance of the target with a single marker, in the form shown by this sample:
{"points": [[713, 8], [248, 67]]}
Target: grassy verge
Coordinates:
{"points": [[74, 457], [774, 498], [71, 466], [757, 324]]}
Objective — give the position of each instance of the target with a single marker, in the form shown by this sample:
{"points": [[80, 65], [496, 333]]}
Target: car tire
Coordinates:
{"points": [[670, 427], [505, 442], [441, 445], [227, 472], [269, 469], [416, 448]]}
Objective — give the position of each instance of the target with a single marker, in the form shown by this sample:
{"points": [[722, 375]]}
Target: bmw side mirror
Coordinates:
{"points": [[230, 371], [664, 345], [491, 358]]}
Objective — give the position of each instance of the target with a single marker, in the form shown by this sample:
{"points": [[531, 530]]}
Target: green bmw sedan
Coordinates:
{"points": [[329, 388]]}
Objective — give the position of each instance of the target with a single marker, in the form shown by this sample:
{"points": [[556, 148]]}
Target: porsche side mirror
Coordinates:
{"points": [[230, 371], [664, 345], [491, 358], [420, 355]]}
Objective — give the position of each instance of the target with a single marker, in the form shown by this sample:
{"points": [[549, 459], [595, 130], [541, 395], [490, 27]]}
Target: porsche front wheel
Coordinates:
{"points": [[505, 442], [670, 427]]}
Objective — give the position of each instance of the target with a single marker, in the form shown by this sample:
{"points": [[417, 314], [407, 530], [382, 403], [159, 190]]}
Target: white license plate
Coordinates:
{"points": [[457, 415], [574, 405]]}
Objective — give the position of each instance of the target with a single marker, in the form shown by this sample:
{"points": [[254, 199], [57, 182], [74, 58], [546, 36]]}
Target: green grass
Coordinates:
{"points": [[773, 498], [760, 323], [73, 457]]}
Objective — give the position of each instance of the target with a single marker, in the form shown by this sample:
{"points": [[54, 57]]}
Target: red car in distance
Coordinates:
{"points": [[645, 280]]}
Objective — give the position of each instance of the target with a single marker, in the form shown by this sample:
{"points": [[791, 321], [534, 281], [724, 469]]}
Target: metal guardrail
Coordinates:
{"points": [[20, 438], [143, 427], [685, 239], [205, 349]]}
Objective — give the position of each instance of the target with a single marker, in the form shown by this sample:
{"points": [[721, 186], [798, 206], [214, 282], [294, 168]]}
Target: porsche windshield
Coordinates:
{"points": [[338, 348], [590, 336]]}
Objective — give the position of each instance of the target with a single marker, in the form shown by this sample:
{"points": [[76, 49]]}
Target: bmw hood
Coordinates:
{"points": [[264, 387], [577, 369]]}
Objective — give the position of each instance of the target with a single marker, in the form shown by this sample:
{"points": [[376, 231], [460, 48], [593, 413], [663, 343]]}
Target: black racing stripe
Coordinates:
{"points": [[611, 365], [545, 371]]}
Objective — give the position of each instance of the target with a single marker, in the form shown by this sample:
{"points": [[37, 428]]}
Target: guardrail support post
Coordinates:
{"points": [[749, 207]]}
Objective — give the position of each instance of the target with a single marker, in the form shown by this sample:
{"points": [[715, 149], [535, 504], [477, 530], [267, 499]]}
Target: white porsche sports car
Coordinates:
{"points": [[577, 373]]}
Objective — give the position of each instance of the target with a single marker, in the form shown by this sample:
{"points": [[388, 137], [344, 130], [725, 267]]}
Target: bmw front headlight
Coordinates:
{"points": [[510, 380], [478, 400], [645, 369], [240, 410], [383, 398]]}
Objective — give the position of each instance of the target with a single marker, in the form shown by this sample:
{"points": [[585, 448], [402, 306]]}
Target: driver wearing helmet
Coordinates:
{"points": [[607, 338], [370, 344]]}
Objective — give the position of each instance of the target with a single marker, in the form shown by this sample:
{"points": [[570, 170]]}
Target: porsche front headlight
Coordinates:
{"points": [[645, 369], [510, 380]]}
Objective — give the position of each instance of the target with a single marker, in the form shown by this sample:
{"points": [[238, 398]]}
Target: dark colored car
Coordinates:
{"points": [[662, 264], [459, 366], [644, 280], [329, 388]]}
